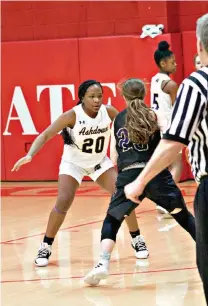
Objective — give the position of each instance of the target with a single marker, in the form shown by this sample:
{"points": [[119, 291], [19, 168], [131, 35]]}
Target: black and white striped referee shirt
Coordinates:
{"points": [[189, 121]]}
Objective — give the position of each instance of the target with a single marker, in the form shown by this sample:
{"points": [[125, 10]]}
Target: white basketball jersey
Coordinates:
{"points": [[160, 100], [91, 138]]}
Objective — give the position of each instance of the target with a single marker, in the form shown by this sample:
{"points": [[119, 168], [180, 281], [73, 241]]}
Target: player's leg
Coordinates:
{"points": [[119, 207], [107, 180], [163, 190], [176, 170], [67, 186], [108, 239]]}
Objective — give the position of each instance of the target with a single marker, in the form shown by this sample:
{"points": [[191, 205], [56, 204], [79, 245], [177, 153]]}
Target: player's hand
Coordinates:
{"points": [[24, 160], [134, 190]]}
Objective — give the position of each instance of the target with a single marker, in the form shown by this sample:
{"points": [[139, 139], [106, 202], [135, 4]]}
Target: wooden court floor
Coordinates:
{"points": [[168, 278]]}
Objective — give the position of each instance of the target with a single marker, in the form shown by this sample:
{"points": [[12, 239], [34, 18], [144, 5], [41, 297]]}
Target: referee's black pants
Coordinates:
{"points": [[201, 215]]}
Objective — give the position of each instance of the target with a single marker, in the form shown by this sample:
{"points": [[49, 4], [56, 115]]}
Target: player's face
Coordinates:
{"points": [[93, 98], [198, 64], [169, 64]]}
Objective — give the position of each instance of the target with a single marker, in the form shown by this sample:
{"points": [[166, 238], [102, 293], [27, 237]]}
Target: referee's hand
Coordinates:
{"points": [[24, 160], [134, 190]]}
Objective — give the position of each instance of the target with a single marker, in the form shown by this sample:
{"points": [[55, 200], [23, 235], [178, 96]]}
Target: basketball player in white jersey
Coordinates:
{"points": [[86, 131], [163, 95]]}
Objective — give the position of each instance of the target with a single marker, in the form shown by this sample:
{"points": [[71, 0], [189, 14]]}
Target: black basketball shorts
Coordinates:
{"points": [[161, 189]]}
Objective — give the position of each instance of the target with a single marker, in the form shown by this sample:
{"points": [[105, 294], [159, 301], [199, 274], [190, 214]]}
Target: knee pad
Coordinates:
{"points": [[110, 228]]}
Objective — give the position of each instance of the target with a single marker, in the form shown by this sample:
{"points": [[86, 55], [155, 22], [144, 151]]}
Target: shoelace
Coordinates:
{"points": [[43, 252], [140, 246]]}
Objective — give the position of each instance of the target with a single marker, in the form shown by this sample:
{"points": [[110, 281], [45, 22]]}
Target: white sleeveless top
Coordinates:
{"points": [[91, 138], [160, 100]]}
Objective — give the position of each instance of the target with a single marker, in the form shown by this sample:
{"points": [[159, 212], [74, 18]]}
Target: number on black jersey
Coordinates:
{"points": [[125, 144]]}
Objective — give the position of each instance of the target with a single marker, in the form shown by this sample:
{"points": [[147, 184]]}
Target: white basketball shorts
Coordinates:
{"points": [[78, 173]]}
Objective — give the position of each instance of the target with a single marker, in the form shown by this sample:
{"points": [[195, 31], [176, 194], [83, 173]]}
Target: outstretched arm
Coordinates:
{"points": [[66, 119]]}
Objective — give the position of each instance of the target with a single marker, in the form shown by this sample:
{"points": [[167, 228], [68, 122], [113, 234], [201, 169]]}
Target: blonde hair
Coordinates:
{"points": [[140, 119]]}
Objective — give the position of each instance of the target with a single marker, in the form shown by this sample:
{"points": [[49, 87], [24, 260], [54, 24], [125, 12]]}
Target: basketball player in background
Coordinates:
{"points": [[163, 95], [135, 135], [86, 132], [197, 63]]}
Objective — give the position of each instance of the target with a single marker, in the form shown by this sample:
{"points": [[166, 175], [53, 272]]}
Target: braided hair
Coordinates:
{"points": [[83, 87]]}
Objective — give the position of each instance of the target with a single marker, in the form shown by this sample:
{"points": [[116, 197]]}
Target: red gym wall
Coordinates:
{"points": [[41, 72], [56, 19]]}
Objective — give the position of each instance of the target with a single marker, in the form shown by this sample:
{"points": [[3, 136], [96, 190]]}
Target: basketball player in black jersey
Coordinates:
{"points": [[136, 134]]}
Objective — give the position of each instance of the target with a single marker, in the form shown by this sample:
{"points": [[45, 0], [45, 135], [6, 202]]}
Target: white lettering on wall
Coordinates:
{"points": [[55, 96], [112, 86], [55, 100], [19, 102]]}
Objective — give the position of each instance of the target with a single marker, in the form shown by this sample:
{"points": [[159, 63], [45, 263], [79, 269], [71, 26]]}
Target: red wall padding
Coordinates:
{"points": [[3, 173], [189, 50], [31, 64], [35, 20], [123, 57]]}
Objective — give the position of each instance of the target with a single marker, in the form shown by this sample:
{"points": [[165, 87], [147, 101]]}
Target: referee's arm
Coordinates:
{"points": [[184, 121]]}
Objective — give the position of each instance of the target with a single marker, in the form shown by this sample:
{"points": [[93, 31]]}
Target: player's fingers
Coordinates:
{"points": [[14, 167], [135, 199], [17, 166]]}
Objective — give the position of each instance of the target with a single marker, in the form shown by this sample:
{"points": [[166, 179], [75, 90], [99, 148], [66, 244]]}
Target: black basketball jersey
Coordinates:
{"points": [[129, 152]]}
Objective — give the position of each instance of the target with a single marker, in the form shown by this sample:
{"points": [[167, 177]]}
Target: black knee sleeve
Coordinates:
{"points": [[187, 221], [110, 228]]}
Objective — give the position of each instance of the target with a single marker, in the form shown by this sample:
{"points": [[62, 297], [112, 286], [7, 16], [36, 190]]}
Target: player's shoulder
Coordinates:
{"points": [[155, 77], [121, 115], [111, 110]]}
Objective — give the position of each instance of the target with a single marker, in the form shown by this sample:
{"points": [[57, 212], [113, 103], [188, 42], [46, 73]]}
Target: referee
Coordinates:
{"points": [[188, 126]]}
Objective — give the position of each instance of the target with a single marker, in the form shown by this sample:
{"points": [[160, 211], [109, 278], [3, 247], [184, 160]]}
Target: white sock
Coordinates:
{"points": [[105, 259]]}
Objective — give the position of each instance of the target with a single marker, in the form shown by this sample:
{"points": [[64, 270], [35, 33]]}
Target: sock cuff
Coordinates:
{"points": [[105, 256], [135, 234]]}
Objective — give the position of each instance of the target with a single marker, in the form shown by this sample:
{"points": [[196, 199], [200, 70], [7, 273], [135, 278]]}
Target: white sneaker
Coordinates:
{"points": [[44, 253], [96, 274], [139, 245]]}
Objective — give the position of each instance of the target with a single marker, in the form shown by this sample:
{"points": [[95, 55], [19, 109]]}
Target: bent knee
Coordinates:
{"points": [[64, 202]]}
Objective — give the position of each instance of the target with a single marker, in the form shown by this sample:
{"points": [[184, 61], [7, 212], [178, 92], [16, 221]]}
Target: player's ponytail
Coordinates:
{"points": [[140, 119]]}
